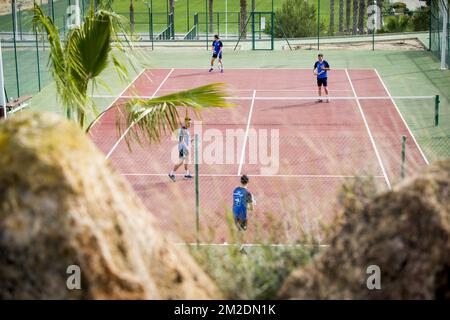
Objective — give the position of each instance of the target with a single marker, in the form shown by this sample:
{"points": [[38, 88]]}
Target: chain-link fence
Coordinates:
{"points": [[319, 22]]}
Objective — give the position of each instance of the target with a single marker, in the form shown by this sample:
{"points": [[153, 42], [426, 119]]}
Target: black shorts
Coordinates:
{"points": [[183, 153], [322, 82], [215, 55]]}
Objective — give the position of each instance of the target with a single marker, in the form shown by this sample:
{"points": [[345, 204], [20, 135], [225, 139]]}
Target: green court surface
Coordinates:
{"points": [[405, 73]]}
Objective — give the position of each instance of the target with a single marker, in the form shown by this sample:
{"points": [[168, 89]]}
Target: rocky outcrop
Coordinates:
{"points": [[405, 232], [61, 204]]}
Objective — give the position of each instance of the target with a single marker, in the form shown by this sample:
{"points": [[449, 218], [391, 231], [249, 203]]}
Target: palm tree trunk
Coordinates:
{"points": [[355, 16], [331, 27], [131, 16], [361, 15], [253, 5], [243, 18], [380, 7], [341, 15], [348, 7], [211, 15]]}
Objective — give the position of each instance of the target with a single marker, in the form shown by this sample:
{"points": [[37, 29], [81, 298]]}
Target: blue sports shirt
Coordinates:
{"points": [[321, 74], [241, 198], [217, 45]]}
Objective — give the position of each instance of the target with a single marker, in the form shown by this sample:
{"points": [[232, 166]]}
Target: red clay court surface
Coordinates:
{"points": [[320, 146]]}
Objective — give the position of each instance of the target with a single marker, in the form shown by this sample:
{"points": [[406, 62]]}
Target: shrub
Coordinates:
{"points": [[297, 18]]}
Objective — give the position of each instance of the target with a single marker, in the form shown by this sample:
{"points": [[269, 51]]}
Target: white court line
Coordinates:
{"points": [[293, 98], [298, 245], [401, 116], [117, 98], [221, 175], [246, 133], [370, 133], [128, 129], [266, 90]]}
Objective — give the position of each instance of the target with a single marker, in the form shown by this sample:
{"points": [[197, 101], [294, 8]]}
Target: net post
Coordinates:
{"points": [[436, 110], [402, 172], [197, 207]]}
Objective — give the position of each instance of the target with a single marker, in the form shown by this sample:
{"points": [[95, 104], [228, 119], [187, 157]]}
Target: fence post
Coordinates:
{"points": [[436, 110], [206, 24], [318, 25], [197, 198], [13, 4], [187, 16], [429, 27], [402, 172], [37, 60], [151, 22]]}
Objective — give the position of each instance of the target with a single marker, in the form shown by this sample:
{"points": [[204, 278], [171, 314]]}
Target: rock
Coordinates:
{"points": [[62, 204], [406, 232]]}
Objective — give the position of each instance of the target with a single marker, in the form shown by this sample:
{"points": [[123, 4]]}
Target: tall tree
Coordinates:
{"points": [[361, 15], [211, 15], [331, 27], [348, 8], [355, 17], [253, 5], [243, 17], [341, 15]]}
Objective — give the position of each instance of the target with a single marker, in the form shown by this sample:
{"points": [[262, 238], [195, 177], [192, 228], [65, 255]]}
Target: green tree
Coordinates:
{"points": [[297, 18], [341, 15], [87, 50]]}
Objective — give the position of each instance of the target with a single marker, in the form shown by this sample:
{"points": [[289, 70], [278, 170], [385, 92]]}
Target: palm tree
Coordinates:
{"points": [[355, 16], [341, 15], [331, 27], [86, 52], [361, 15], [348, 6], [243, 18]]}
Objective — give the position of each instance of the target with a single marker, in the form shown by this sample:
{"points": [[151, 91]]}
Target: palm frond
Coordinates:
{"points": [[147, 120]]}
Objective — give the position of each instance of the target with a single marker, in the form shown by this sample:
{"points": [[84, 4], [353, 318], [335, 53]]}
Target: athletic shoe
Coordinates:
{"points": [[172, 177], [327, 101], [242, 250], [188, 177], [221, 70], [319, 100], [210, 69]]}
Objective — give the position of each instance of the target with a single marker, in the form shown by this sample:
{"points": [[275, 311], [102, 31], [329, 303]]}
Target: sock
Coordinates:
{"points": [[172, 173], [187, 172]]}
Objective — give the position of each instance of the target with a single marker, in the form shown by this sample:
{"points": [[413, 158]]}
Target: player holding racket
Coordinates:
{"points": [[320, 70], [216, 47], [183, 149]]}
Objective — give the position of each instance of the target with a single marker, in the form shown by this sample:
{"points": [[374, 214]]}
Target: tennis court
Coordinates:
{"points": [[296, 151]]}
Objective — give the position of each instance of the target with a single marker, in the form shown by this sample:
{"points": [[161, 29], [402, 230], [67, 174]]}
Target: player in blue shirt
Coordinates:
{"points": [[184, 140], [320, 70], [217, 53], [242, 200]]}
